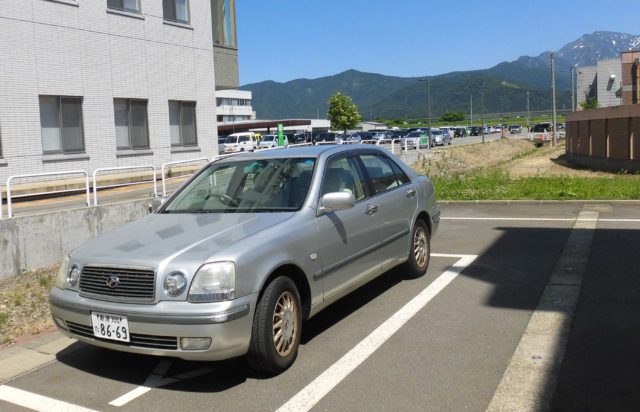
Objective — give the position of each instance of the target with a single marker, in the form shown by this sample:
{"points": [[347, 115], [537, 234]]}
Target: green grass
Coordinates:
{"points": [[4, 318], [498, 185]]}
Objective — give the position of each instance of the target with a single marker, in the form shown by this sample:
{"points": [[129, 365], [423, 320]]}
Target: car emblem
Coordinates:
{"points": [[113, 281]]}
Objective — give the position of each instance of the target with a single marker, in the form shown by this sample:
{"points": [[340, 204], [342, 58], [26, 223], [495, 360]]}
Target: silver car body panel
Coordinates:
{"points": [[337, 253]]}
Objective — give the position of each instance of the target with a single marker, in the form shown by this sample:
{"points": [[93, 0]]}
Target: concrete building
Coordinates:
{"points": [[603, 82], [234, 106], [225, 43], [86, 84]]}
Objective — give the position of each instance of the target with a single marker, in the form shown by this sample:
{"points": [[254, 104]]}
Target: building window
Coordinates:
{"points": [[223, 16], [176, 10], [132, 131], [61, 122], [125, 5], [182, 121]]}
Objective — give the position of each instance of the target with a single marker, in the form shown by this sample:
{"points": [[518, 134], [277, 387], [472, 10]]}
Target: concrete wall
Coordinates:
{"points": [[605, 139], [36, 241], [609, 82], [586, 84]]}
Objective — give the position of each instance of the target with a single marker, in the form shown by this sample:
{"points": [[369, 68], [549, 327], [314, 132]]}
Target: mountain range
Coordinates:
{"points": [[504, 86]]}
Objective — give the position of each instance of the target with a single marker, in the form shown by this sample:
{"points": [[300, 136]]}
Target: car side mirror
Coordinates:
{"points": [[156, 202], [334, 201]]}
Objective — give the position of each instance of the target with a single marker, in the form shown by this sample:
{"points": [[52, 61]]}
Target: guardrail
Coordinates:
{"points": [[70, 172], [104, 169], [177, 162]]}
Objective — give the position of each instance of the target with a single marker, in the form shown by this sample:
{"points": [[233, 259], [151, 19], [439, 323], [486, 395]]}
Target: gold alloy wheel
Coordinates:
{"points": [[420, 246], [285, 324]]}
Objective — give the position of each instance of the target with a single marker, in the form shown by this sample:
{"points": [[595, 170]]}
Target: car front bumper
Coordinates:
{"points": [[157, 329]]}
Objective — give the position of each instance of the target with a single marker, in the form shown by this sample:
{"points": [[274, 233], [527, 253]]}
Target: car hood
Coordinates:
{"points": [[187, 238]]}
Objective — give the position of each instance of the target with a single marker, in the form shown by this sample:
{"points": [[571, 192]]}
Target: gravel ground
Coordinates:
{"points": [[24, 307]]}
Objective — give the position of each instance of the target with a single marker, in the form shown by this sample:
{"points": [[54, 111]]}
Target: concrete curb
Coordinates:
{"points": [[16, 361]]}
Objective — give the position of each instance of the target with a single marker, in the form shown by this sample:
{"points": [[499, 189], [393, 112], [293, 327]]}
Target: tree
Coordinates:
{"points": [[452, 117], [343, 113], [590, 103]]}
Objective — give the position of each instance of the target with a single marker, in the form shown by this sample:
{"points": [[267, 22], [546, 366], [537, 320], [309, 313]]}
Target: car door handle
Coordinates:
{"points": [[371, 209], [411, 192]]}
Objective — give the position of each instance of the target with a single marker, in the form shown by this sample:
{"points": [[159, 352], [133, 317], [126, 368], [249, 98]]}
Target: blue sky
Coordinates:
{"points": [[283, 40]]}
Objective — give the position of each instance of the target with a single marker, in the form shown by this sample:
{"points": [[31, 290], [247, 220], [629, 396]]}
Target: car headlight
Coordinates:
{"points": [[73, 277], [214, 282], [61, 280], [175, 283]]}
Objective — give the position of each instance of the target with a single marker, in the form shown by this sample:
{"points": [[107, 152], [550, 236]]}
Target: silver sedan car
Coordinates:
{"points": [[244, 252]]}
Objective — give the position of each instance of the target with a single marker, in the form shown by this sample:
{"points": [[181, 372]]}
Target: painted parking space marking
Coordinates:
{"points": [[540, 219], [330, 378], [156, 380], [37, 402]]}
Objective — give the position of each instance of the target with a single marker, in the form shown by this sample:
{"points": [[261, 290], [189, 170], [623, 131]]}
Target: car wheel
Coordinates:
{"points": [[277, 326], [420, 251]]}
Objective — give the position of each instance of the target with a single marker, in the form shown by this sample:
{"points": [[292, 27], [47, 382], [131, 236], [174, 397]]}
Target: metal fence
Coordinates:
{"points": [[69, 172]]}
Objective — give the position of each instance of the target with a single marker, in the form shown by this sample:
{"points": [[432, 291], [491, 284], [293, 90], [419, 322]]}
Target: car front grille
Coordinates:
{"points": [[137, 340], [130, 285]]}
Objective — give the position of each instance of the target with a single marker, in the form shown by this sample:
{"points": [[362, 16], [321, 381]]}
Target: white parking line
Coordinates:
{"points": [[541, 219], [37, 402], [155, 380], [323, 384]]}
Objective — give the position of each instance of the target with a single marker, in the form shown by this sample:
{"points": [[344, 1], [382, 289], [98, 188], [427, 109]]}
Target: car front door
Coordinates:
{"points": [[395, 195], [347, 239]]}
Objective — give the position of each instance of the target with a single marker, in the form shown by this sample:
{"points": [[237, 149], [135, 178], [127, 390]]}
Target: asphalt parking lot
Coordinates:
{"points": [[448, 349]]}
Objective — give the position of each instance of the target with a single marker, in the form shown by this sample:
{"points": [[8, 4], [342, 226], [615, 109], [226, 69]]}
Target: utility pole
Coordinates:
{"points": [[482, 113], [428, 111], [528, 124], [573, 88], [553, 100], [471, 123]]}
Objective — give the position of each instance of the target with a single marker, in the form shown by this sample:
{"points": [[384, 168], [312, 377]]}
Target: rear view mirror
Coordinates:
{"points": [[332, 202]]}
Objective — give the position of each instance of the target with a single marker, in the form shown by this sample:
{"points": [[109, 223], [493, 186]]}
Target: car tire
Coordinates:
{"points": [[274, 347], [420, 250]]}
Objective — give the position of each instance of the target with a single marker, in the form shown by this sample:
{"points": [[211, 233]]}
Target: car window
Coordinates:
{"points": [[246, 186], [343, 175], [382, 175], [244, 138]]}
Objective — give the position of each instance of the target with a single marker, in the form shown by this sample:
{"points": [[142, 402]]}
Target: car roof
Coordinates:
{"points": [[304, 151]]}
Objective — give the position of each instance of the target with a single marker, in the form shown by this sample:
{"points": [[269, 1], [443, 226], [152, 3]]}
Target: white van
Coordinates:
{"points": [[241, 142], [271, 140]]}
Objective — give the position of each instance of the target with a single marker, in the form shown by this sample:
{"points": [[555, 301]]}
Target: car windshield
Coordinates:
{"points": [[436, 132], [268, 138], [231, 139], [246, 186], [414, 134]]}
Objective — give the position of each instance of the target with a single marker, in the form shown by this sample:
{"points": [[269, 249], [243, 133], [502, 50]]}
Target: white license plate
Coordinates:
{"points": [[110, 326]]}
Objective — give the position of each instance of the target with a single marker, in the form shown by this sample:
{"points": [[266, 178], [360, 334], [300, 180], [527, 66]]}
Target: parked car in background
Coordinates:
{"points": [[440, 137], [301, 138], [229, 265], [241, 142], [460, 132], [475, 131], [326, 137], [541, 128], [271, 140], [515, 129], [415, 138], [221, 140]]}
